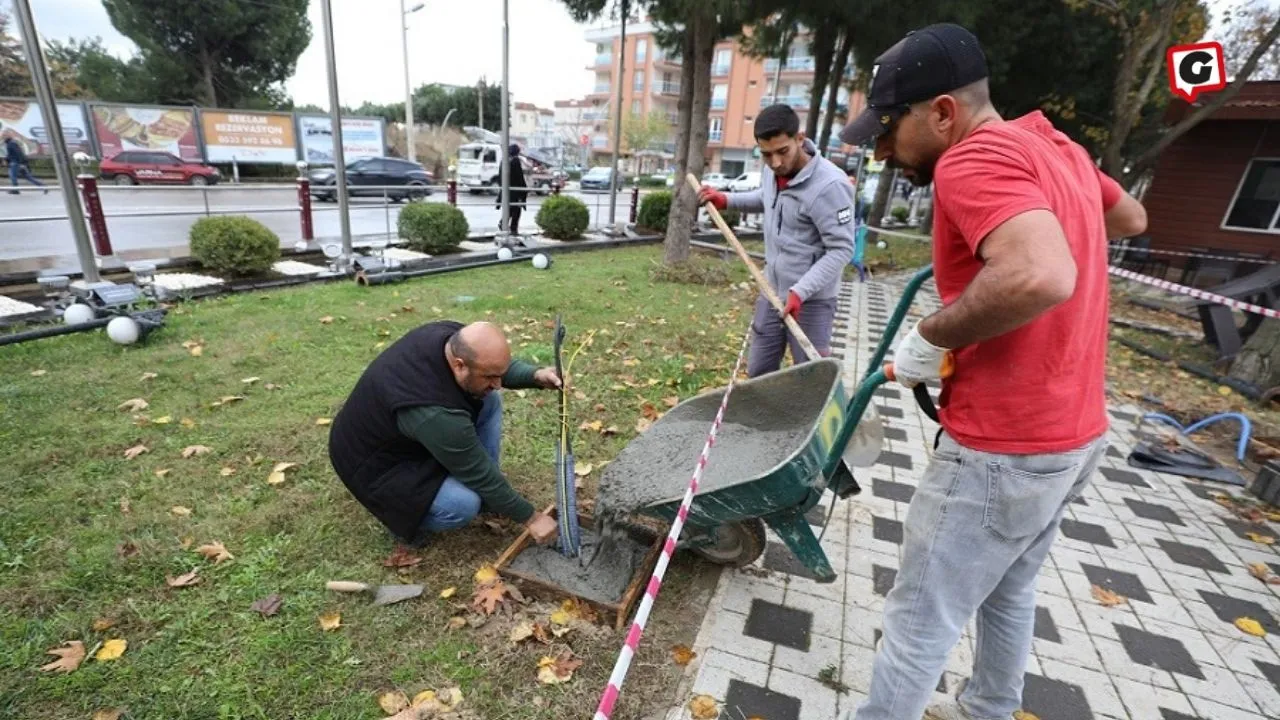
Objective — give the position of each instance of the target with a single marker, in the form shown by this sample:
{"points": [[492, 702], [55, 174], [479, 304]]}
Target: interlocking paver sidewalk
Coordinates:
{"points": [[1171, 652]]}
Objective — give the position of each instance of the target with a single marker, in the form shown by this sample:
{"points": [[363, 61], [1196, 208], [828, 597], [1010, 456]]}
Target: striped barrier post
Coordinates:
{"points": [[623, 664]]}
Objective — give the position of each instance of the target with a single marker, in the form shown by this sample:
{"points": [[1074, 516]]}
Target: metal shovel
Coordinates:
{"points": [[385, 595]]}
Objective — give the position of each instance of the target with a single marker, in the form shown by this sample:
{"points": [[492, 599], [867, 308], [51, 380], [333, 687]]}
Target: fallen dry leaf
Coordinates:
{"points": [[552, 671], [1108, 598], [1263, 573], [197, 350], [250, 380], [671, 401], [1260, 539], [643, 424], [180, 511], [134, 405], [393, 702], [111, 649], [124, 506], [595, 425], [135, 451], [183, 580], [191, 451], [326, 320], [39, 373], [227, 471], [323, 421], [704, 707], [1024, 715], [162, 420], [149, 376], [448, 592], [681, 655], [186, 542], [522, 631], [187, 423], [215, 551], [1250, 626], [489, 596], [486, 574], [583, 470], [277, 473], [103, 624], [457, 623], [401, 557], [126, 549], [162, 472], [226, 400], [611, 430], [70, 654], [268, 606], [330, 621], [112, 714]]}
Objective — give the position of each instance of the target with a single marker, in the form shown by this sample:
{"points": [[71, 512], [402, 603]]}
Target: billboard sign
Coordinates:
{"points": [[361, 138], [22, 120], [248, 137], [161, 129]]}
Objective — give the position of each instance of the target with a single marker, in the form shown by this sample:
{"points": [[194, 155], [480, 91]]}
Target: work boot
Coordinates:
{"points": [[949, 710]]}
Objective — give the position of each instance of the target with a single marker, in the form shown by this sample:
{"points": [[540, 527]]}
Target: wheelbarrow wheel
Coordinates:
{"points": [[737, 544]]}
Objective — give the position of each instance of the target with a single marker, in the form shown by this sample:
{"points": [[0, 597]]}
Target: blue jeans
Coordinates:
{"points": [[456, 504], [976, 533], [22, 171]]}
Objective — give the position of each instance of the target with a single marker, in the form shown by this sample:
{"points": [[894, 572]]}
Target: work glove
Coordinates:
{"points": [[793, 305], [713, 196], [916, 360]]}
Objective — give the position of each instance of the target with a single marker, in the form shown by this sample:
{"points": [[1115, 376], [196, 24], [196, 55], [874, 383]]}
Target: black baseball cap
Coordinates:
{"points": [[928, 62]]}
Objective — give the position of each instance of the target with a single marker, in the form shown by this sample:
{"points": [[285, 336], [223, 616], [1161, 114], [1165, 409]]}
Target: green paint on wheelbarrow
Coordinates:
{"points": [[813, 399]]}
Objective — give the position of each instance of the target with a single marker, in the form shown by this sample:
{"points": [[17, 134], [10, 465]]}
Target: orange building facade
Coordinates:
{"points": [[741, 86]]}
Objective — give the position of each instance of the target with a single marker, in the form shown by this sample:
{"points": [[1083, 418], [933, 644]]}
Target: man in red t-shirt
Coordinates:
{"points": [[1021, 222]]}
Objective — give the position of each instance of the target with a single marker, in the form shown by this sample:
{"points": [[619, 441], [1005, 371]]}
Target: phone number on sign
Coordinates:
{"points": [[237, 140]]}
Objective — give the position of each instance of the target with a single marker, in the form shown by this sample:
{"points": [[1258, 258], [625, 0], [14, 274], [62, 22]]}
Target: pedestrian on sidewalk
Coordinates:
{"points": [[1020, 235], [19, 167], [807, 206], [517, 194]]}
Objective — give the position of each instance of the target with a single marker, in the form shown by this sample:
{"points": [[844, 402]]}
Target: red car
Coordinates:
{"points": [[132, 167]]}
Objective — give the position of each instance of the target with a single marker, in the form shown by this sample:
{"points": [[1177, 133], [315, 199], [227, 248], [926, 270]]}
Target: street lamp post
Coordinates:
{"points": [[408, 92], [335, 119], [506, 126]]}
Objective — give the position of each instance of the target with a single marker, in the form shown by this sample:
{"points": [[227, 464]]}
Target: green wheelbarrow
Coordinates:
{"points": [[786, 438]]}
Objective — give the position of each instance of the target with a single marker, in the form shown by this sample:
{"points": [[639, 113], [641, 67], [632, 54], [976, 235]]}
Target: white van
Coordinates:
{"points": [[479, 166]]}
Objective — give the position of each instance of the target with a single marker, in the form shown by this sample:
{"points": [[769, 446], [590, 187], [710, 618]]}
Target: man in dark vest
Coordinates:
{"points": [[417, 441]]}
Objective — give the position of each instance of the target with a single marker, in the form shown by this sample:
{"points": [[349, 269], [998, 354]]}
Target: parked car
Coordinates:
{"points": [[597, 178], [745, 182], [133, 167], [366, 177], [719, 181]]}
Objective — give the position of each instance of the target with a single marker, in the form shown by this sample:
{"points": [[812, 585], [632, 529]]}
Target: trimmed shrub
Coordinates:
{"points": [[900, 214], [234, 244], [653, 212], [647, 181], [432, 227], [562, 217], [732, 216]]}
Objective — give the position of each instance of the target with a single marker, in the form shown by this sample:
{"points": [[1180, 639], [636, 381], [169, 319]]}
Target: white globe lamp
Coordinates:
{"points": [[504, 253], [123, 330], [541, 261], [77, 314], [882, 244]]}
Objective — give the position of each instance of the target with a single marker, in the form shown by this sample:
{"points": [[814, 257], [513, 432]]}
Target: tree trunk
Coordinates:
{"points": [[833, 92], [1126, 105], [823, 50], [679, 217], [684, 206], [883, 188], [206, 68], [1258, 362]]}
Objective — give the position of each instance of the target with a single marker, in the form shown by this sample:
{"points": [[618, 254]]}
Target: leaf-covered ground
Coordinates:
{"points": [[200, 523]]}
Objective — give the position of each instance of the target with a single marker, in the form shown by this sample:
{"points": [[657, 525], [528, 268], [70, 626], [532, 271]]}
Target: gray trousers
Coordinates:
{"points": [[770, 337]]}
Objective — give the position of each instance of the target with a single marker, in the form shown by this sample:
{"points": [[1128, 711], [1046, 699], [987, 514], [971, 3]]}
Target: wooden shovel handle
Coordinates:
{"points": [[346, 586], [792, 325]]}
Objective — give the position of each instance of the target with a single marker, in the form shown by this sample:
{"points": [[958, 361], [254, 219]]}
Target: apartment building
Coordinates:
{"points": [[575, 122], [534, 127], [741, 86]]}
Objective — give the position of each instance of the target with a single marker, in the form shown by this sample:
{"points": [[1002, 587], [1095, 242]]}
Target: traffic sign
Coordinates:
{"points": [[584, 140]]}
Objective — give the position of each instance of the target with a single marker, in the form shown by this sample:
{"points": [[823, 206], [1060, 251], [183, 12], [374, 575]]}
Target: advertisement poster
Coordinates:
{"points": [[361, 138], [248, 137], [170, 130], [23, 120]]}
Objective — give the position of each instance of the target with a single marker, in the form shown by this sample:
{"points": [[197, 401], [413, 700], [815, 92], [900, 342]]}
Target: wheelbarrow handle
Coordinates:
{"points": [[920, 391]]}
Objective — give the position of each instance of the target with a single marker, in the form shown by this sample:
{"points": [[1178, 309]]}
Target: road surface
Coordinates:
{"points": [[35, 233]]}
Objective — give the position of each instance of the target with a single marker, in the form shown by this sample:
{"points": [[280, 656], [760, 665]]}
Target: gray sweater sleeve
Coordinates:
{"points": [[832, 214], [750, 201]]}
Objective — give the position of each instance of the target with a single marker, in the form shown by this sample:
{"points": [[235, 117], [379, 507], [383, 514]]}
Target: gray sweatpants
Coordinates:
{"points": [[770, 337]]}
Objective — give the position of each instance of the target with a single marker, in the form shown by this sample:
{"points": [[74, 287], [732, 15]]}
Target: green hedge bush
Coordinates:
{"points": [[562, 217], [653, 212], [432, 227], [900, 214], [234, 244]]}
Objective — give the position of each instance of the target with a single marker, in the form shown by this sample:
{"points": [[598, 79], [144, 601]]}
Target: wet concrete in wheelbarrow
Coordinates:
{"points": [[604, 580]]}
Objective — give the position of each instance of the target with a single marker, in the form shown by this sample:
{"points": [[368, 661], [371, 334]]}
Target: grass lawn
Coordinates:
{"points": [[88, 536]]}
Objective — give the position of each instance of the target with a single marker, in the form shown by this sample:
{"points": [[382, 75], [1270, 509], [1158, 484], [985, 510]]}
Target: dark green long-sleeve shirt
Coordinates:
{"points": [[451, 438]]}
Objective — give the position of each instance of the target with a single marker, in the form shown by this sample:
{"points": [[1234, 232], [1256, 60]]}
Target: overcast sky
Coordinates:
{"points": [[450, 41]]}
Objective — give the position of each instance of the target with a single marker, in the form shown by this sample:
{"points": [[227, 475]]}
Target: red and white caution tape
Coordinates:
{"points": [[620, 668], [1183, 253], [1195, 293]]}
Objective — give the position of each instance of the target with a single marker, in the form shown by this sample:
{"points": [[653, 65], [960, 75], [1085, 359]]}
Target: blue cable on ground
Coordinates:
{"points": [[1246, 427]]}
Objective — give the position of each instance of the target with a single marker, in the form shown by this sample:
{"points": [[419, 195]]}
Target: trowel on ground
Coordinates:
{"points": [[384, 595]]}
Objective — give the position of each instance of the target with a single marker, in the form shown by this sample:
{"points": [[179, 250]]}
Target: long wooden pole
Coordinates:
{"points": [[792, 325]]}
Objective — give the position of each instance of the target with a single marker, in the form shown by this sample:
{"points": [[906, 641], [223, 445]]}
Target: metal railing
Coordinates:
{"points": [[793, 100], [793, 64], [667, 88]]}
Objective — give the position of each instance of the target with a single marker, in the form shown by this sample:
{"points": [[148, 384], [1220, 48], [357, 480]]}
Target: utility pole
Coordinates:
{"points": [[480, 95], [617, 118], [408, 93], [49, 111], [505, 153], [335, 118]]}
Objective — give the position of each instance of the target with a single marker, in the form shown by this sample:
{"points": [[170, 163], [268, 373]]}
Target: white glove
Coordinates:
{"points": [[916, 360]]}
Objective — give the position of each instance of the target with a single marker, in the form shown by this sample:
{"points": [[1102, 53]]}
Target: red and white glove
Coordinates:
{"points": [[793, 305], [713, 196]]}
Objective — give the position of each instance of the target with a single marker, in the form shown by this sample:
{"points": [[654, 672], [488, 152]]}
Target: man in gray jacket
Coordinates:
{"points": [[807, 203]]}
